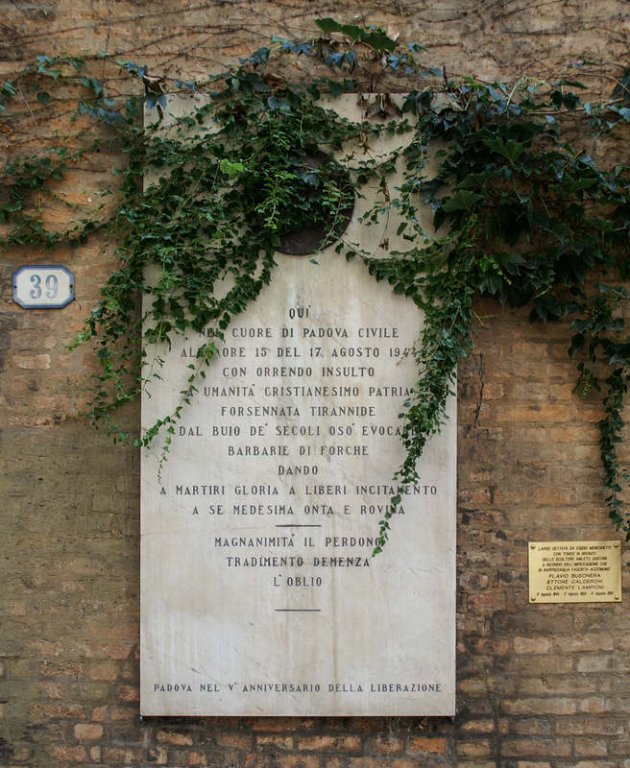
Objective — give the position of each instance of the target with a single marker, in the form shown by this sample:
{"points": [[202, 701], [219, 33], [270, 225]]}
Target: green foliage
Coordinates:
{"points": [[372, 37], [519, 213]]}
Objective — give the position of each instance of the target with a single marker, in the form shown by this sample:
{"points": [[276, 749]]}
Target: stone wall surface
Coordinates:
{"points": [[539, 686]]}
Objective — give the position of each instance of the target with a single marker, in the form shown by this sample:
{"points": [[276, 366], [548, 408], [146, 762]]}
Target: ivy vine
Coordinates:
{"points": [[521, 211]]}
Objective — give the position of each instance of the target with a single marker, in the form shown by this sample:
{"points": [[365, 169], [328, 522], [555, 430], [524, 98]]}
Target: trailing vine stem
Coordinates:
{"points": [[519, 213], [444, 340]]}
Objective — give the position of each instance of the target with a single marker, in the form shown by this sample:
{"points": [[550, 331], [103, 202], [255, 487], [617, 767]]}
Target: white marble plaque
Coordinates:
{"points": [[260, 595]]}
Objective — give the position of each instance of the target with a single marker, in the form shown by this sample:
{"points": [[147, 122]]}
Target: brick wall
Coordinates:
{"points": [[542, 686]]}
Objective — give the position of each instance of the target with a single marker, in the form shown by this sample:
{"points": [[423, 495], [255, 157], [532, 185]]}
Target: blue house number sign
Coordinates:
{"points": [[43, 286]]}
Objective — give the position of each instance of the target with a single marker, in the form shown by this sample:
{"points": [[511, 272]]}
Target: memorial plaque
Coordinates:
{"points": [[574, 572], [260, 595]]}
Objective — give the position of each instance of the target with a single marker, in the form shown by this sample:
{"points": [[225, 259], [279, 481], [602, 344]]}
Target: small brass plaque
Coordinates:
{"points": [[574, 572]]}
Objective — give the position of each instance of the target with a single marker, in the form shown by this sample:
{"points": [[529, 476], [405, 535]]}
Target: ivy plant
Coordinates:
{"points": [[520, 212]]}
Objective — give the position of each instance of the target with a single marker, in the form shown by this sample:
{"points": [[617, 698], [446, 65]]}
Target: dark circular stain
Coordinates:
{"points": [[319, 170]]}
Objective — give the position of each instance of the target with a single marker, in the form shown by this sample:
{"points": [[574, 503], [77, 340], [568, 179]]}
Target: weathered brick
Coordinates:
{"points": [[119, 651], [476, 764], [539, 747], [402, 762], [549, 706], [592, 705], [472, 687], [106, 670], [479, 726], [32, 362], [558, 685], [418, 745], [99, 714], [299, 761], [593, 663], [355, 762], [58, 709], [69, 754], [531, 764], [272, 725], [531, 726], [275, 741], [384, 744], [532, 644], [578, 726], [487, 602], [128, 693], [595, 764], [593, 641], [235, 740], [122, 713], [122, 756], [196, 758], [329, 743], [591, 747], [88, 731], [158, 756], [479, 748], [175, 738], [619, 748]]}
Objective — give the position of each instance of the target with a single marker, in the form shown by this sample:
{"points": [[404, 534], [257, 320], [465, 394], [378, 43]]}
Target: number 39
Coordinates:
{"points": [[50, 288]]}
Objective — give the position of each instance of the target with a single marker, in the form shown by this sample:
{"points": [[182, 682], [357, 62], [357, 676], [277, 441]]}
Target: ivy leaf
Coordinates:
{"points": [[378, 39], [622, 89], [281, 105], [571, 83], [462, 200], [259, 58], [108, 116], [132, 68], [375, 37], [96, 86], [328, 25], [351, 59], [154, 101], [335, 59], [231, 169]]}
